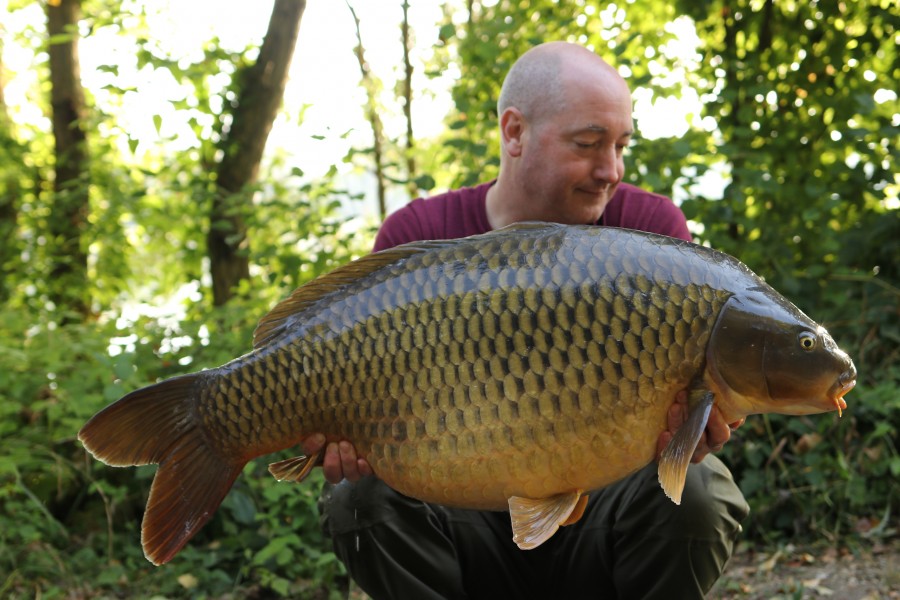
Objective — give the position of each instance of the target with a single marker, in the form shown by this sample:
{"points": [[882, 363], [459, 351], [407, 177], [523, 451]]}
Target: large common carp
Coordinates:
{"points": [[513, 370]]}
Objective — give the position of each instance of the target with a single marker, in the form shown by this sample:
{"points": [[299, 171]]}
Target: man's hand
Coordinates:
{"points": [[713, 439], [339, 461]]}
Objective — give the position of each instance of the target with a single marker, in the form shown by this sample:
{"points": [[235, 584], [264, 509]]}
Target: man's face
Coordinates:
{"points": [[572, 160]]}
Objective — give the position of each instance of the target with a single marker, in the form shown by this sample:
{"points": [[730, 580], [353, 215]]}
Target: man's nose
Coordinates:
{"points": [[606, 166]]}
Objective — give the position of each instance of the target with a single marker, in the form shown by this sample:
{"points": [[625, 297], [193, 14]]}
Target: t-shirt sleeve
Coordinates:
{"points": [[453, 214], [399, 227]]}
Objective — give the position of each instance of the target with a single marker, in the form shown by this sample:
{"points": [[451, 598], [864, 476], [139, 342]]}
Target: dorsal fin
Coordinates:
{"points": [[276, 322], [526, 226]]}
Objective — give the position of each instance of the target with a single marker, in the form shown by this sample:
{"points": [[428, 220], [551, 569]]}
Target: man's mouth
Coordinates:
{"points": [[594, 191]]}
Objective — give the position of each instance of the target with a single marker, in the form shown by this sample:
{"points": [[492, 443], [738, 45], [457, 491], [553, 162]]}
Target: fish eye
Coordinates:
{"points": [[807, 341]]}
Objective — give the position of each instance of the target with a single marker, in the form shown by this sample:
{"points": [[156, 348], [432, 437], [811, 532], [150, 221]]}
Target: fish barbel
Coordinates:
{"points": [[515, 370]]}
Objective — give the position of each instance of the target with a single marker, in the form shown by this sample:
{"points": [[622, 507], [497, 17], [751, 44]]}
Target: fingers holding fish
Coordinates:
{"points": [[339, 461], [717, 433], [354, 467], [675, 418]]}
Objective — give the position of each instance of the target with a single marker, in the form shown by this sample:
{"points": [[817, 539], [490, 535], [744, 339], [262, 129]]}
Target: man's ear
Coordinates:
{"points": [[512, 128]]}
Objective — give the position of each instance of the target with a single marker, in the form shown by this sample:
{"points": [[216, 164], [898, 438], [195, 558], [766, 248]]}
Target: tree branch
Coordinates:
{"points": [[407, 103], [371, 88]]}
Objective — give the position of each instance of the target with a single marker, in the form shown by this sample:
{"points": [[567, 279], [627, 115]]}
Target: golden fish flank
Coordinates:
{"points": [[514, 370]]}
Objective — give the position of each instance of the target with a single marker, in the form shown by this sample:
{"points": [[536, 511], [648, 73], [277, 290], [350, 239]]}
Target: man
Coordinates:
{"points": [[565, 121]]}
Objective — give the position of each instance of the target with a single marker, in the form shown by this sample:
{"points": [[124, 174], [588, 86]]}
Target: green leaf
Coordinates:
{"points": [[446, 32], [113, 69], [123, 367], [425, 182], [241, 506], [895, 466]]}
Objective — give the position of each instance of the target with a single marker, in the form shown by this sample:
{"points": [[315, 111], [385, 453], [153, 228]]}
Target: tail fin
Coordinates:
{"points": [[158, 424]]}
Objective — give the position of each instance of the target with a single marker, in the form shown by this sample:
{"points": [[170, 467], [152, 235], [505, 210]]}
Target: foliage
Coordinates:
{"points": [[812, 205], [810, 202], [798, 117], [70, 524]]}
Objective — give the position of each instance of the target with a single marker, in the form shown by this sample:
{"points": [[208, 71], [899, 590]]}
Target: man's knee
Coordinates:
{"points": [[713, 505], [393, 546], [685, 547], [352, 506]]}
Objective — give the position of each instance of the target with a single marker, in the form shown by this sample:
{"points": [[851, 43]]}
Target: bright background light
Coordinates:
{"points": [[324, 85]]}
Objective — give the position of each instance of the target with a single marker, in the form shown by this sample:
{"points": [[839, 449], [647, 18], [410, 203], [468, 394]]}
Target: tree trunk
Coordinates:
{"points": [[371, 87], [259, 97], [407, 103], [67, 223]]}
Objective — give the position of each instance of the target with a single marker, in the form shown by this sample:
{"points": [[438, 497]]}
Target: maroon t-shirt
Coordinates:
{"points": [[460, 213]]}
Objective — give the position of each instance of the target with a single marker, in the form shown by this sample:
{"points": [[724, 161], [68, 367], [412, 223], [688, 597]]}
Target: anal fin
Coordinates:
{"points": [[676, 457], [534, 521], [295, 468]]}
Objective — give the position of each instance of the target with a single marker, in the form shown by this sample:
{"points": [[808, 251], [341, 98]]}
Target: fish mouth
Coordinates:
{"points": [[845, 383]]}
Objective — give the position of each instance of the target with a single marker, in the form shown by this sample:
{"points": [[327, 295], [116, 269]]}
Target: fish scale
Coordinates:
{"points": [[501, 407], [517, 369]]}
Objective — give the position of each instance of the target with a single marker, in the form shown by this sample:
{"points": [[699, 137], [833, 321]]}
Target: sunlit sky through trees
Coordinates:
{"points": [[323, 114]]}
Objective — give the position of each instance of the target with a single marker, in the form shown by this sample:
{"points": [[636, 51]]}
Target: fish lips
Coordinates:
{"points": [[843, 385]]}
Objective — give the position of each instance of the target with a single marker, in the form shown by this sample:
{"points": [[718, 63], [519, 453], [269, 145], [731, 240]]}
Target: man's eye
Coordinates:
{"points": [[586, 144]]}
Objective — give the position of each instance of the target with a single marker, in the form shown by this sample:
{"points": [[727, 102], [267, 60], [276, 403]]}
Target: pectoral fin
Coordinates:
{"points": [[676, 456], [296, 468], [535, 520]]}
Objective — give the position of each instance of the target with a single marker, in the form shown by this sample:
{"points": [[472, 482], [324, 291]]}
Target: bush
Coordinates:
{"points": [[71, 525], [819, 476]]}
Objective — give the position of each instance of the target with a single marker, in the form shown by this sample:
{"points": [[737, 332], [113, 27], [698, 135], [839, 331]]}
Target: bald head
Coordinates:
{"points": [[565, 120], [540, 81]]}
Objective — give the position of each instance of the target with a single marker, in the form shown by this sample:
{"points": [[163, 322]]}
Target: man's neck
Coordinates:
{"points": [[497, 213]]}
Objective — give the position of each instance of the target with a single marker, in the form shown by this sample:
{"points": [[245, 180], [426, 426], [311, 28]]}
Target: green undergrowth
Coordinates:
{"points": [[71, 526]]}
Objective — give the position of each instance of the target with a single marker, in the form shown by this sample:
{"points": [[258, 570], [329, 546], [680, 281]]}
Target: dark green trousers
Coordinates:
{"points": [[632, 543]]}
